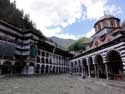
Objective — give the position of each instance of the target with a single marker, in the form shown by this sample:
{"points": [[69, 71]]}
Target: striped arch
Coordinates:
{"points": [[115, 63]]}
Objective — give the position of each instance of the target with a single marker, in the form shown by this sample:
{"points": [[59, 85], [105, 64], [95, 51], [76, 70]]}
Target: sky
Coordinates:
{"points": [[69, 19]]}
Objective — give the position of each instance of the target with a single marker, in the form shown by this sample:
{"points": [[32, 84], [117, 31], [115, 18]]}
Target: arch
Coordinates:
{"points": [[37, 68], [90, 61], [75, 67], [47, 68], [53, 70], [31, 68], [92, 71], [42, 68], [31, 64], [98, 59], [100, 67], [18, 67], [84, 67], [115, 66], [79, 66], [6, 67]]}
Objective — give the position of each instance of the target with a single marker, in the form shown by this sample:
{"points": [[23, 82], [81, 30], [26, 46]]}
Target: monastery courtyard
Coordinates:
{"points": [[59, 84]]}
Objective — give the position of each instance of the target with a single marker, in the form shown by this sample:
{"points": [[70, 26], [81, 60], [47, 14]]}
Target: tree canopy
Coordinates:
{"points": [[14, 16], [79, 45]]}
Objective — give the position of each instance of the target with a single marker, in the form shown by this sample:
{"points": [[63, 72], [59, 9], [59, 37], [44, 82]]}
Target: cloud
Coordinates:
{"points": [[63, 13], [90, 33], [68, 36], [95, 8]]}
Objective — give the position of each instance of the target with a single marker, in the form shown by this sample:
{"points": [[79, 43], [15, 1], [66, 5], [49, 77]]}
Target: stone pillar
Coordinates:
{"points": [[44, 68], [40, 69], [0, 69], [106, 70], [59, 69], [88, 68], [27, 66], [82, 68], [11, 73], [95, 69], [1, 63], [123, 64], [48, 68]]}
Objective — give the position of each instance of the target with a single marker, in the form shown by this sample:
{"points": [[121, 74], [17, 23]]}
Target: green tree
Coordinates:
{"points": [[79, 45], [14, 16]]}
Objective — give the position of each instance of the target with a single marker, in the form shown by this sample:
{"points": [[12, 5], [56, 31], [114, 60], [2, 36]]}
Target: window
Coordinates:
{"points": [[99, 27], [38, 52], [112, 23], [104, 24], [96, 43], [47, 60], [42, 60], [102, 38], [50, 61], [47, 54], [38, 59], [43, 53]]}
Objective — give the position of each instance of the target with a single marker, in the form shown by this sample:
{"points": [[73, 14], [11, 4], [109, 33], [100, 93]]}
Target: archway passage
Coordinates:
{"points": [[37, 69], [47, 68], [92, 72], [6, 67], [18, 67], [31, 68], [100, 67], [42, 68], [84, 68], [79, 66], [115, 67]]}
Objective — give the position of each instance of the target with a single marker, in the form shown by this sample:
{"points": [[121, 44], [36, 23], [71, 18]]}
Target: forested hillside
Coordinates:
{"points": [[79, 45], [12, 15], [62, 42]]}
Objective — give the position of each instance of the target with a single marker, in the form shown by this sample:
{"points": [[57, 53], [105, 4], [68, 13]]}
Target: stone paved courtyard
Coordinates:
{"points": [[59, 84]]}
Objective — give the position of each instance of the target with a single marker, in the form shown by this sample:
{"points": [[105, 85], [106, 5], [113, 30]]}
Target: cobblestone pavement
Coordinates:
{"points": [[59, 84]]}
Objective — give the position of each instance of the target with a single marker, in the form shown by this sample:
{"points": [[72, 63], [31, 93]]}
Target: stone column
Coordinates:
{"points": [[44, 68], [106, 70], [48, 68], [95, 69], [88, 67], [0, 69], [123, 65], [58, 68], [40, 69], [11, 70]]}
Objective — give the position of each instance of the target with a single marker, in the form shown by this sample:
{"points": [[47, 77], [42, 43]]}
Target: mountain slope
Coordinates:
{"points": [[62, 42], [79, 45]]}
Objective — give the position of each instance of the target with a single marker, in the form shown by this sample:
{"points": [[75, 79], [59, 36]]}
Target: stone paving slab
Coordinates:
{"points": [[59, 84]]}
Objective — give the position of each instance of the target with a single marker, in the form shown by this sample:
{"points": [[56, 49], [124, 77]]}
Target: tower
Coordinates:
{"points": [[106, 25]]}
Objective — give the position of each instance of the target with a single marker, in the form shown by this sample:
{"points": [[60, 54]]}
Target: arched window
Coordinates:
{"points": [[99, 27], [96, 43], [38, 59], [43, 54], [104, 23], [38, 52], [102, 38], [112, 23]]}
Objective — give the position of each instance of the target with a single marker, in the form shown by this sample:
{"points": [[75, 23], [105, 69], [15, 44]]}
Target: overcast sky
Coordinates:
{"points": [[69, 18]]}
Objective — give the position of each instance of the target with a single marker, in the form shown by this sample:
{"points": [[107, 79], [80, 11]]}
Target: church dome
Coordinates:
{"points": [[107, 21], [123, 25], [106, 17]]}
